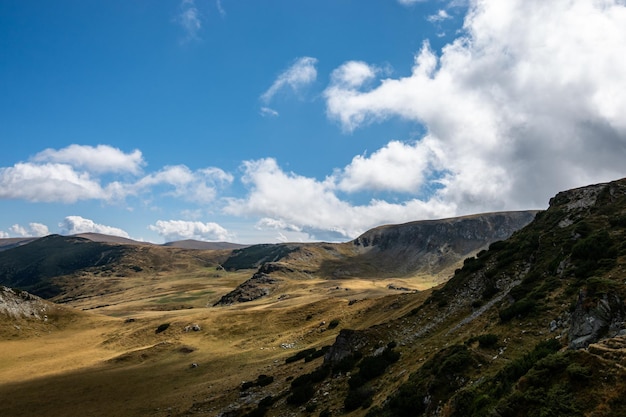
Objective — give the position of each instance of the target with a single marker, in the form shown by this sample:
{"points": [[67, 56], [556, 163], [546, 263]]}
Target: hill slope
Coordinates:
{"points": [[414, 255], [531, 326], [54, 266], [503, 337]]}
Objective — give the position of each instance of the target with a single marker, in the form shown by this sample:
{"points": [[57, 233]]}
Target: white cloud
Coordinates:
{"points": [[48, 183], [181, 229], [189, 19], [78, 173], [410, 2], [297, 203], [220, 8], [398, 167], [267, 111], [353, 74], [98, 159], [297, 76], [440, 16], [267, 223], [73, 225], [515, 110], [4, 235], [197, 186], [33, 230]]}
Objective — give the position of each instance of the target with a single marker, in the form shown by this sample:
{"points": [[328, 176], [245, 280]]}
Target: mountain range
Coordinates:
{"points": [[499, 314]]}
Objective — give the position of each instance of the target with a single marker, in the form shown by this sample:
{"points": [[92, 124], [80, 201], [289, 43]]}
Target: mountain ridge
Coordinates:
{"points": [[534, 324], [38, 265]]}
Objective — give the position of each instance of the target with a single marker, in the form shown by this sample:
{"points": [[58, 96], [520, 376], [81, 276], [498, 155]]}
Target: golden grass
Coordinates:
{"points": [[99, 364]]}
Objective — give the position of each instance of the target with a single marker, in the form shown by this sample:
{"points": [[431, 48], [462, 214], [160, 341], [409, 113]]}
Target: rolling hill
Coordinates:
{"points": [[532, 323]]}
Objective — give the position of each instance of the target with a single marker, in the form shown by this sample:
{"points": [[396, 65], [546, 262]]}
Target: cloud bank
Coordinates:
{"points": [[528, 100], [32, 230], [76, 173], [173, 230], [73, 225], [515, 110]]}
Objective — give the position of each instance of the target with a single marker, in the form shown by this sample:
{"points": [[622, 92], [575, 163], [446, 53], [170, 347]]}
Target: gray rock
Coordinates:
{"points": [[590, 324]]}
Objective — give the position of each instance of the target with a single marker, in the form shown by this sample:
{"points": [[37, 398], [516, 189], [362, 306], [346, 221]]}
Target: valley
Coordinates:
{"points": [[417, 319]]}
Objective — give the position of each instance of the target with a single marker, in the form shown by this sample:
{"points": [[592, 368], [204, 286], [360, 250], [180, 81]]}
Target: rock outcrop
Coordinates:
{"points": [[593, 320], [254, 288], [432, 245], [21, 304]]}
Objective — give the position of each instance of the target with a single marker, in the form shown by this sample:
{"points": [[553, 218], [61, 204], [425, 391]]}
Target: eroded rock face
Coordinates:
{"points": [[593, 320], [347, 343], [260, 285], [21, 304], [428, 246]]}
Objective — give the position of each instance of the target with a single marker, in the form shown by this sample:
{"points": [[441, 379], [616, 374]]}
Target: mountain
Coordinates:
{"points": [[532, 326], [31, 267], [424, 252], [102, 238], [202, 245], [182, 244], [57, 266], [433, 246], [529, 325], [12, 242], [420, 247]]}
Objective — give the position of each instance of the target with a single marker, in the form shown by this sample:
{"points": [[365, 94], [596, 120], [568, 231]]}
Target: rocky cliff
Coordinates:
{"points": [[433, 245]]}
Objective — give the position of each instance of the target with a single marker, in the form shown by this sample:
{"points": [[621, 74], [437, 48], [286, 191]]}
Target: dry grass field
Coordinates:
{"points": [[100, 354]]}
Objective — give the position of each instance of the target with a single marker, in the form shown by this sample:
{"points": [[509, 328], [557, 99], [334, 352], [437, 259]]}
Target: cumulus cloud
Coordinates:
{"points": [[181, 229], [353, 74], [104, 173], [32, 230], [398, 167], [514, 109], [48, 182], [297, 76], [196, 186], [73, 225], [69, 174], [190, 20], [98, 159], [293, 202]]}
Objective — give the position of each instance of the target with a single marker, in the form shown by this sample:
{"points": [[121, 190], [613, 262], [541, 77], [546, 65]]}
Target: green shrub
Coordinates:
{"points": [[408, 401], [356, 398], [264, 380], [487, 340], [301, 394], [520, 308], [333, 323], [162, 327], [348, 363], [374, 366], [300, 355], [578, 372]]}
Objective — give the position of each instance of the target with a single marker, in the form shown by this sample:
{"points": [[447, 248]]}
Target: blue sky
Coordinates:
{"points": [[272, 121]]}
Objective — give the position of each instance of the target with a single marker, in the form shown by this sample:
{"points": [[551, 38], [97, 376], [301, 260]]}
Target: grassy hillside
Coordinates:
{"points": [[503, 337], [530, 326]]}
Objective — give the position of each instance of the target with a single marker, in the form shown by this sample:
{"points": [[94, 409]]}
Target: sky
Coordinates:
{"points": [[313, 120]]}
